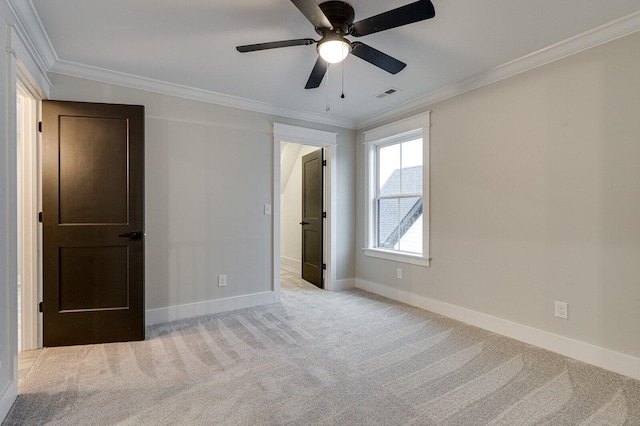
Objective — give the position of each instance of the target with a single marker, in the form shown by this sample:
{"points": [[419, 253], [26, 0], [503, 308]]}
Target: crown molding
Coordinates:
{"points": [[32, 34], [88, 72], [592, 38]]}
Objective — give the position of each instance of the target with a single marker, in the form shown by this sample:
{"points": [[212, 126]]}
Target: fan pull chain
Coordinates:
{"points": [[328, 107], [342, 68]]}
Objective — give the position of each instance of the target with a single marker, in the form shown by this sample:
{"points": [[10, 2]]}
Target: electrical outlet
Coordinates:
{"points": [[562, 310], [222, 280], [399, 273]]}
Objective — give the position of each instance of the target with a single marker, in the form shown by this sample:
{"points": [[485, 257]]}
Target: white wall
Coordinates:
{"points": [[208, 175], [534, 198], [291, 211], [7, 238]]}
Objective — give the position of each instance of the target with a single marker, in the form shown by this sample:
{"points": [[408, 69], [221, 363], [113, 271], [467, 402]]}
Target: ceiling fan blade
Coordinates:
{"points": [[312, 11], [377, 58], [317, 74], [275, 45], [408, 14]]}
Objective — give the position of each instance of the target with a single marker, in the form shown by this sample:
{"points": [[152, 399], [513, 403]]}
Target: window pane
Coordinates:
{"points": [[400, 168], [400, 224], [411, 241], [389, 170], [388, 219], [411, 159]]}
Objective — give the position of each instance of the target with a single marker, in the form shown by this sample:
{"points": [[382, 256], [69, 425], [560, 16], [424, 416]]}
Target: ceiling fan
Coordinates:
{"points": [[333, 20]]}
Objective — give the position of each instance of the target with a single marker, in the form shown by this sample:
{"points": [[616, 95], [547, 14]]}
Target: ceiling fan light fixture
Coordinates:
{"points": [[333, 49], [333, 20]]}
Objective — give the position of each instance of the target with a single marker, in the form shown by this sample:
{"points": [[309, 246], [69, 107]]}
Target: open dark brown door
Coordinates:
{"points": [[312, 205], [93, 222]]}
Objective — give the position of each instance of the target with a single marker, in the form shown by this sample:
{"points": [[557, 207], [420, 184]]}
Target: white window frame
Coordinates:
{"points": [[401, 131]]}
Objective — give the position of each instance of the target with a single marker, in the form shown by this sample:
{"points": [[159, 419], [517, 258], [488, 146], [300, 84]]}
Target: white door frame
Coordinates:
{"points": [[321, 139], [23, 68], [30, 231]]}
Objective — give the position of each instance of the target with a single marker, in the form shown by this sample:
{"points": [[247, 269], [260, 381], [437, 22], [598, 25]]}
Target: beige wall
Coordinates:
{"points": [[534, 198], [208, 175]]}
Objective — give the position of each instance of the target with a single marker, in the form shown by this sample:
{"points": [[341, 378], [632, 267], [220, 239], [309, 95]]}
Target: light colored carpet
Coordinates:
{"points": [[321, 358], [26, 359]]}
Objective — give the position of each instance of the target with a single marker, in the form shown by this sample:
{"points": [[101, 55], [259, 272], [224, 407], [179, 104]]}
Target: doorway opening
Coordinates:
{"points": [[296, 240], [294, 142], [29, 232]]}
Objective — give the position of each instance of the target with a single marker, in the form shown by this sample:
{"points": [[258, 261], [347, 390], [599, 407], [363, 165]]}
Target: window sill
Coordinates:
{"points": [[414, 259]]}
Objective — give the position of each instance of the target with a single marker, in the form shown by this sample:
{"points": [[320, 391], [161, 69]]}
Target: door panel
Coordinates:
{"points": [[312, 207], [103, 272], [93, 191], [93, 222]]}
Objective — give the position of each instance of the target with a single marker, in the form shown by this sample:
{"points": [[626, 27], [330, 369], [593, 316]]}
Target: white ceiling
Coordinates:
{"points": [[192, 43]]}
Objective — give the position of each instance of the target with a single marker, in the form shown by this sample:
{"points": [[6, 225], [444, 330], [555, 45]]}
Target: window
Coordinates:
{"points": [[397, 196]]}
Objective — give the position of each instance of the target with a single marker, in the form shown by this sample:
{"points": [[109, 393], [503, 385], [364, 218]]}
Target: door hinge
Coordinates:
{"points": [[324, 266], [40, 307], [324, 215], [40, 126], [40, 217], [324, 162]]}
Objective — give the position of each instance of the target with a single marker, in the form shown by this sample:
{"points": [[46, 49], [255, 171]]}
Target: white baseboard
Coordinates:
{"points": [[341, 285], [585, 352], [171, 313], [7, 397], [290, 262]]}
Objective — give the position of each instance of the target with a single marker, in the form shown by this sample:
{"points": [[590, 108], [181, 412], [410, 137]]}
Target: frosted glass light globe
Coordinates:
{"points": [[333, 51]]}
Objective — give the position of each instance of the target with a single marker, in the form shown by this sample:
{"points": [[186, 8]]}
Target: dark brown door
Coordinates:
{"points": [[312, 218], [93, 213]]}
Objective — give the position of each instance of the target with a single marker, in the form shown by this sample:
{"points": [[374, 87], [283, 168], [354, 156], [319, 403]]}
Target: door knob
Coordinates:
{"points": [[304, 223], [135, 235]]}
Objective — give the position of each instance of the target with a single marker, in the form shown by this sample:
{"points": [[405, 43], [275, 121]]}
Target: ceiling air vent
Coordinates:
{"points": [[386, 93]]}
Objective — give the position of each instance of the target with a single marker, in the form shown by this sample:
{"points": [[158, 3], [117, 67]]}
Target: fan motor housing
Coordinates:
{"points": [[340, 14]]}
